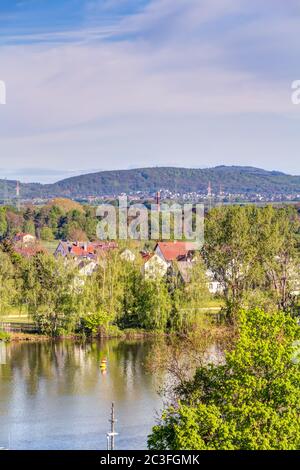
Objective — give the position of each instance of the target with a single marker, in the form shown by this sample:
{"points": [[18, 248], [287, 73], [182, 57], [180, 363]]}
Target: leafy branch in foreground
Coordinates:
{"points": [[252, 401]]}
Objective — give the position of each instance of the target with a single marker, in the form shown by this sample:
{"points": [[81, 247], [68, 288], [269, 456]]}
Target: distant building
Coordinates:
{"points": [[128, 255], [185, 270], [75, 250], [165, 254], [154, 266], [214, 287], [80, 250], [87, 268], [177, 250], [177, 257], [24, 238]]}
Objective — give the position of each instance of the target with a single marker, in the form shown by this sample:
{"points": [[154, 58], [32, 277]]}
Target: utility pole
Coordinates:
{"points": [[111, 435], [18, 204], [158, 200], [209, 195], [6, 200]]}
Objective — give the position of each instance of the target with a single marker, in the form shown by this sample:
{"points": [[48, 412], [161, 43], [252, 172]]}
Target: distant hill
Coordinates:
{"points": [[232, 179]]}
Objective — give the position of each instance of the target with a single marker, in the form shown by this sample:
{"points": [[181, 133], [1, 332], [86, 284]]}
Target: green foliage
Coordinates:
{"points": [[130, 301], [47, 234], [29, 227], [153, 305], [7, 283], [250, 248], [188, 298], [4, 336], [49, 291], [96, 323], [3, 222], [234, 179], [62, 219], [251, 402]]}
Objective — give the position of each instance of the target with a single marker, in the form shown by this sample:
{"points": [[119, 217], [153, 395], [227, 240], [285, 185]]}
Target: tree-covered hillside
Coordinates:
{"points": [[232, 179]]}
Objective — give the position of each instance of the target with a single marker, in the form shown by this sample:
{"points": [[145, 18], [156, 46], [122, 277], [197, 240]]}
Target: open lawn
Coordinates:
{"points": [[16, 315], [50, 246]]}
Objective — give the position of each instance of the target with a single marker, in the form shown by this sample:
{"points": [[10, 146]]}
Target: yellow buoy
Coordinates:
{"points": [[103, 364]]}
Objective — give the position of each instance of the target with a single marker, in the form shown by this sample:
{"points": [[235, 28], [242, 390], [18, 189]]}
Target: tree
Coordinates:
{"points": [[76, 234], [90, 226], [189, 292], [50, 294], [230, 250], [101, 300], [279, 253], [14, 222], [3, 222], [153, 304], [250, 402], [7, 283], [29, 227], [65, 205], [250, 248], [47, 234]]}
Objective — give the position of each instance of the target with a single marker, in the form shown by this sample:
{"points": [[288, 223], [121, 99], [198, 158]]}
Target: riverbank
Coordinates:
{"points": [[33, 337], [217, 332], [122, 334]]}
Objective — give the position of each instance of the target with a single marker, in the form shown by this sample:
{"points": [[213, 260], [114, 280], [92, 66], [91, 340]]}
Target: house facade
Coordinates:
{"points": [[172, 251], [128, 255], [24, 238], [154, 266], [80, 250]]}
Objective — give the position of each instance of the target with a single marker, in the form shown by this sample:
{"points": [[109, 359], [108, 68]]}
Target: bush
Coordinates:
{"points": [[47, 234], [4, 336], [98, 324]]}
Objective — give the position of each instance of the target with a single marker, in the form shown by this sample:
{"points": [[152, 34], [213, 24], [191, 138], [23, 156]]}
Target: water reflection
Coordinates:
{"points": [[53, 395]]}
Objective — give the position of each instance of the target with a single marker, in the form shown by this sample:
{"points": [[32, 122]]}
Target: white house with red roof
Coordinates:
{"points": [[182, 253], [154, 266], [75, 250], [175, 250], [24, 238]]}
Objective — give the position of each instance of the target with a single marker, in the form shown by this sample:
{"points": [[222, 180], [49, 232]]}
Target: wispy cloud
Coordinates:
{"points": [[125, 65]]}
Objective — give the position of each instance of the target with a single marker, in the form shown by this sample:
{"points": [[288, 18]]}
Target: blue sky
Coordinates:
{"points": [[105, 84]]}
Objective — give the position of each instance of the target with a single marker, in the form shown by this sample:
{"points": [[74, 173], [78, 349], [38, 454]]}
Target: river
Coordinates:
{"points": [[53, 395]]}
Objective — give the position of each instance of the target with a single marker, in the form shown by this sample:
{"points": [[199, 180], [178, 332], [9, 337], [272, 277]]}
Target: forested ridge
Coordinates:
{"points": [[232, 179]]}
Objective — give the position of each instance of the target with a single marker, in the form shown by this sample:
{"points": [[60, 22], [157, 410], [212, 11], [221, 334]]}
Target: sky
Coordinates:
{"points": [[114, 84]]}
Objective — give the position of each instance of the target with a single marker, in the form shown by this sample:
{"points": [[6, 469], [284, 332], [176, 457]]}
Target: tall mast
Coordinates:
{"points": [[111, 435]]}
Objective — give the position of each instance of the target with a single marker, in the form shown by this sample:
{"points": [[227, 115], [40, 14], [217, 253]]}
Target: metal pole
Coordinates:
{"points": [[111, 435], [112, 427]]}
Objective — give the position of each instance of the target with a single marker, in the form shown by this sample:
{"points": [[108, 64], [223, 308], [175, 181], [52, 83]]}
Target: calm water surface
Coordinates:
{"points": [[54, 396]]}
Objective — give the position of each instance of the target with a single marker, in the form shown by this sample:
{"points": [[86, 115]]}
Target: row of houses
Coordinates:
{"points": [[165, 257], [87, 256], [180, 255]]}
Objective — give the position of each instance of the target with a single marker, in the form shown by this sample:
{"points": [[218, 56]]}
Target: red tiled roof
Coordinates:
{"points": [[104, 245], [173, 250], [28, 252], [86, 250], [147, 256]]}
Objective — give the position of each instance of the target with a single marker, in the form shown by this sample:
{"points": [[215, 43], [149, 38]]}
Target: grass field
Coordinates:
{"points": [[214, 303], [50, 246], [16, 315]]}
